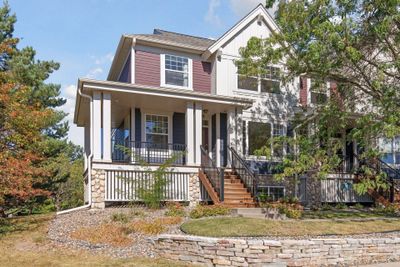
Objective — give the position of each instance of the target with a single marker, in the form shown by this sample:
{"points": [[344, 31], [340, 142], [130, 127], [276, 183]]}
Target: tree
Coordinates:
{"points": [[353, 44], [35, 155]]}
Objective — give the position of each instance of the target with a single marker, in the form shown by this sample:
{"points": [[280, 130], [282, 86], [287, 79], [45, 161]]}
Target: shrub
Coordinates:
{"points": [[137, 213], [116, 235], [326, 207], [169, 220], [293, 211], [340, 206], [120, 217], [150, 228], [358, 206], [175, 210], [207, 211]]}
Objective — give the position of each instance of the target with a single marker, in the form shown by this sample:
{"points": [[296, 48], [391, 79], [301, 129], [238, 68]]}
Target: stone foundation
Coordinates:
{"points": [[194, 190], [307, 252], [98, 189]]}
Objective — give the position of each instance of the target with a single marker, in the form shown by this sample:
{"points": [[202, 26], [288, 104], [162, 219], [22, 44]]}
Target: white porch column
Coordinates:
{"points": [[198, 118], [218, 139], [96, 126], [232, 132], [107, 127], [190, 133], [239, 131], [132, 130]]}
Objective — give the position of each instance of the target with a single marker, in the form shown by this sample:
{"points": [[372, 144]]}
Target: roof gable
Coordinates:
{"points": [[259, 12]]}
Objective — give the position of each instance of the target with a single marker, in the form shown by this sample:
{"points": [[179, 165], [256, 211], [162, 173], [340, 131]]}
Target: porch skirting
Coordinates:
{"points": [[110, 186]]}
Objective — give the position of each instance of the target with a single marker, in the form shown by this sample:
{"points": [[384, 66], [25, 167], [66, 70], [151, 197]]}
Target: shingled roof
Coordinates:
{"points": [[176, 39]]}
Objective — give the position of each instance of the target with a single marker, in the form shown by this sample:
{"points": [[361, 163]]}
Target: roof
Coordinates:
{"points": [[175, 39]]}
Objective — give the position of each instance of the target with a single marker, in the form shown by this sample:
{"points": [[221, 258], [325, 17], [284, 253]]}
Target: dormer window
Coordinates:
{"points": [[176, 71]]}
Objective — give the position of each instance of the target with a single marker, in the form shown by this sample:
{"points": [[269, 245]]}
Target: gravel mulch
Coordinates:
{"points": [[61, 228]]}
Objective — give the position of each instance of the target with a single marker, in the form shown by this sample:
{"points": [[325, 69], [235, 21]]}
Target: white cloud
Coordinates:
{"points": [[104, 59], [211, 15], [94, 73], [242, 7], [75, 134]]}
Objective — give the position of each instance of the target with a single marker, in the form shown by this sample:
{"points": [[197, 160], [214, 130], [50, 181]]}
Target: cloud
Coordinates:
{"points": [[211, 16], [104, 59], [242, 7], [94, 73], [75, 134]]}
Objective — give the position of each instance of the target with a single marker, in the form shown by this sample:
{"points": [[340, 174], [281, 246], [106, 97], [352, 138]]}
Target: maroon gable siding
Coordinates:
{"points": [[147, 68], [201, 76], [303, 91]]}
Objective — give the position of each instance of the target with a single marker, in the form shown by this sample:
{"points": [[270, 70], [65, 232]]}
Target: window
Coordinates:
{"points": [[271, 81], [318, 91], [157, 130], [273, 193], [247, 83], [258, 135], [277, 147], [176, 71], [390, 149]]}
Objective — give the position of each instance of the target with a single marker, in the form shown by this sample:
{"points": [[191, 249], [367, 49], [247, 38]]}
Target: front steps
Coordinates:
{"points": [[235, 193]]}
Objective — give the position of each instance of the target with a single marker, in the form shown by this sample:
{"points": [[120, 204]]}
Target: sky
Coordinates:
{"points": [[82, 35]]}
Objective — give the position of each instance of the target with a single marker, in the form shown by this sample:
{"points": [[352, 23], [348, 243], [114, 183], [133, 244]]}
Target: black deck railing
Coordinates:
{"points": [[214, 174], [152, 153], [248, 177]]}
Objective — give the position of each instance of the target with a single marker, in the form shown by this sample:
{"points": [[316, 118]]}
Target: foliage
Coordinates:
{"points": [[358, 206], [34, 154], [352, 44], [149, 228], [175, 210], [207, 211], [340, 206]]}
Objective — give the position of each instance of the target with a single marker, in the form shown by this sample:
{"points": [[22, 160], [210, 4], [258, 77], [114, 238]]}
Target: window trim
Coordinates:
{"points": [[156, 113], [246, 140], [259, 79], [162, 72], [268, 187], [328, 86]]}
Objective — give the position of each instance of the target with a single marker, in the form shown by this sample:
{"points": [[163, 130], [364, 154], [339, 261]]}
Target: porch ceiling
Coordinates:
{"points": [[124, 96]]}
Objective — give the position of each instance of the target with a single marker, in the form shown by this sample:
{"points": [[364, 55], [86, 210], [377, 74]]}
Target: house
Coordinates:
{"points": [[171, 95]]}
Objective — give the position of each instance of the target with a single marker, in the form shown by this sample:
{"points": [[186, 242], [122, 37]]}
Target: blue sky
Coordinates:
{"points": [[82, 35]]}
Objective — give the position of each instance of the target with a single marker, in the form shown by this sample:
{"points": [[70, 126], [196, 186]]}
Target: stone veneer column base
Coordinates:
{"points": [[194, 190], [98, 189]]}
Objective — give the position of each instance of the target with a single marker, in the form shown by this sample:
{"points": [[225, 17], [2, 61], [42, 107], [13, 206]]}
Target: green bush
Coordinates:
{"points": [[341, 206], [326, 207], [358, 206], [207, 211], [175, 210]]}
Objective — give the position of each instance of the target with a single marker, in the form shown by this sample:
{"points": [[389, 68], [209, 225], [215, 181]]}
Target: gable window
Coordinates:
{"points": [[268, 82], [318, 92], [271, 81], [177, 71], [157, 130]]}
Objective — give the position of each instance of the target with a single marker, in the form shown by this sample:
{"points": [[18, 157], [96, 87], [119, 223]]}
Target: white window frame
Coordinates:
{"points": [[156, 113], [328, 85], [190, 73], [259, 78], [268, 187], [272, 124]]}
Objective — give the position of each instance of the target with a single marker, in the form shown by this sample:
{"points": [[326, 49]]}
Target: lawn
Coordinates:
{"points": [[26, 244], [241, 226]]}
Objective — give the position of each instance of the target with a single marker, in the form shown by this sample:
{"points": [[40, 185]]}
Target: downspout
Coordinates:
{"points": [[90, 157]]}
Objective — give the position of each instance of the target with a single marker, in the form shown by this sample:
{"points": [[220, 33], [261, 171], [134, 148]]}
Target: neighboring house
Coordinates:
{"points": [[169, 93]]}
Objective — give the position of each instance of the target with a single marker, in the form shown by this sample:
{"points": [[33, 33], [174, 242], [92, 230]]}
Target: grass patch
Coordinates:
{"points": [[26, 244], [344, 214], [207, 211], [113, 234], [241, 227]]}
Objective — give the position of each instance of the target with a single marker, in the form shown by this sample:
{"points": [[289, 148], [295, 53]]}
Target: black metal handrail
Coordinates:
{"points": [[214, 174], [153, 153], [248, 177], [380, 166]]}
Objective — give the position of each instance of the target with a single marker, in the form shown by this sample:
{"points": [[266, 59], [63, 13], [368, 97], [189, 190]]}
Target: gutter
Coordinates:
{"points": [[90, 158]]}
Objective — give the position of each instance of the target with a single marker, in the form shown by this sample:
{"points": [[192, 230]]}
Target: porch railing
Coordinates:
{"points": [[248, 177], [214, 174], [152, 153]]}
